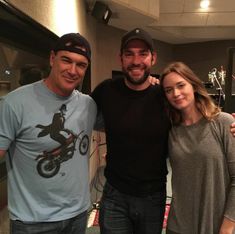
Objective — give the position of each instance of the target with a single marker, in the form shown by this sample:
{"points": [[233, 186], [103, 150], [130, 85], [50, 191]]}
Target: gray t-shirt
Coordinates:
{"points": [[202, 157], [48, 140]]}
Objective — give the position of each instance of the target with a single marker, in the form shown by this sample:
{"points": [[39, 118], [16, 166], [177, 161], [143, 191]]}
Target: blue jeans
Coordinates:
{"points": [[75, 225], [124, 214]]}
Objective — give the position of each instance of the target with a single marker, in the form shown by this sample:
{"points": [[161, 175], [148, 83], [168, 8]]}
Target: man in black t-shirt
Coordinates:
{"points": [[136, 128]]}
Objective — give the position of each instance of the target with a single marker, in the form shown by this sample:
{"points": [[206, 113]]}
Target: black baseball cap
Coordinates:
{"points": [[74, 42], [139, 34]]}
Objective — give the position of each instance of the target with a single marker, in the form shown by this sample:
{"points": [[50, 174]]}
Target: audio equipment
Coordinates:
{"points": [[101, 12]]}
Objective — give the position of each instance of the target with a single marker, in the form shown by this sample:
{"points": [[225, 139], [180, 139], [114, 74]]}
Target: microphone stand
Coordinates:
{"points": [[219, 89]]}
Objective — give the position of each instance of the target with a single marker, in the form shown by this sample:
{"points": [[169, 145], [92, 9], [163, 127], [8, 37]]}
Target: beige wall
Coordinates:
{"points": [[108, 44], [59, 16]]}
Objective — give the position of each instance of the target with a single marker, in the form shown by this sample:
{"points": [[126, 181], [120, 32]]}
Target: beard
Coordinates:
{"points": [[139, 81]]}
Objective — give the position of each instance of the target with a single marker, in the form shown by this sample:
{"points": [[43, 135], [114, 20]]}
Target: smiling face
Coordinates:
{"points": [[179, 92], [137, 60], [67, 72]]}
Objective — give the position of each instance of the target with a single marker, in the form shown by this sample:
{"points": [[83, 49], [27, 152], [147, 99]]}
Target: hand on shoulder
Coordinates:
{"points": [[153, 80], [233, 125], [227, 227]]}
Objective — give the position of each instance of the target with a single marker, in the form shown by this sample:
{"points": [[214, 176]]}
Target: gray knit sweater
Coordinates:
{"points": [[202, 158]]}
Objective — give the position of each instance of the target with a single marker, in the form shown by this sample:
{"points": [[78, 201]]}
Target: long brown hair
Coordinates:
{"points": [[203, 101]]}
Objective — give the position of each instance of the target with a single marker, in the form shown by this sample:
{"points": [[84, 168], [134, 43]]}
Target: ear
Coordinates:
{"points": [[52, 58], [154, 58]]}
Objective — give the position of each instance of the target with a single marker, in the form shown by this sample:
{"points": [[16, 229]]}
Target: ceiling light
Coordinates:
{"points": [[204, 4]]}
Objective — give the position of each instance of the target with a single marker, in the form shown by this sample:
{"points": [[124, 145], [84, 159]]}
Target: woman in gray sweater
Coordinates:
{"points": [[202, 157]]}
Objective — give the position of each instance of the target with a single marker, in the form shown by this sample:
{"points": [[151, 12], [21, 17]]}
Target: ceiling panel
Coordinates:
{"points": [[179, 21]]}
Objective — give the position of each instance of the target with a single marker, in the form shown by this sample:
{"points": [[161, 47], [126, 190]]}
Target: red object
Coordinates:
{"points": [[167, 209], [96, 220]]}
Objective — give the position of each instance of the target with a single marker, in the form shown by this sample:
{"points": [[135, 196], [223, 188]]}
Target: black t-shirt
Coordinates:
{"points": [[136, 127]]}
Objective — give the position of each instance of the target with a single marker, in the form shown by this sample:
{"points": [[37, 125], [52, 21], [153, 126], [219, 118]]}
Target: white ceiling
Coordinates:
{"points": [[176, 21]]}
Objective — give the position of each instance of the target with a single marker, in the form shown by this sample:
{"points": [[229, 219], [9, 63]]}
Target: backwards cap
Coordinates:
{"points": [[139, 34], [74, 42]]}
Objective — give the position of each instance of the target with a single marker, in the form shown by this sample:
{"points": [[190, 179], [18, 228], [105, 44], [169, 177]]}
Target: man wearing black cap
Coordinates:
{"points": [[45, 129], [136, 127]]}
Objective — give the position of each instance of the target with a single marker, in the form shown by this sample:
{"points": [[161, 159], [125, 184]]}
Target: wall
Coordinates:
{"points": [[108, 43], [56, 15], [203, 57], [164, 55]]}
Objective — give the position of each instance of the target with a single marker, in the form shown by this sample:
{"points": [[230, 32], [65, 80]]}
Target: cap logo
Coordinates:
{"points": [[137, 31]]}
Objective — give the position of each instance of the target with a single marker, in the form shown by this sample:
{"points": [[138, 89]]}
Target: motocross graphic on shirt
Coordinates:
{"points": [[49, 161]]}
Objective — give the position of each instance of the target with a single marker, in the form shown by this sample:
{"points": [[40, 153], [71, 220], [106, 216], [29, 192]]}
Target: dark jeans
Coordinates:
{"points": [[76, 225], [124, 214]]}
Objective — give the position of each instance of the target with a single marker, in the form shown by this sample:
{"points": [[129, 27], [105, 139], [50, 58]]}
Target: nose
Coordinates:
{"points": [[72, 68], [136, 59], [176, 92]]}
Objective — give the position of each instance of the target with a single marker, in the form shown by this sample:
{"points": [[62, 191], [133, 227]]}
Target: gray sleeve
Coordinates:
{"points": [[224, 122]]}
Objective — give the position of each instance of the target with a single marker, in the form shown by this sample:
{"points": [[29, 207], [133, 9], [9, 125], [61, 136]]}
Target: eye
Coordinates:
{"points": [[82, 66], [66, 60], [127, 54], [144, 53], [168, 90], [180, 86]]}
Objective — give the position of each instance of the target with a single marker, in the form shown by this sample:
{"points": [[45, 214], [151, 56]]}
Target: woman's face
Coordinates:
{"points": [[179, 92]]}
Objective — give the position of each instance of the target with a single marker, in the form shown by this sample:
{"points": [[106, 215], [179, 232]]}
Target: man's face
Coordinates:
{"points": [[137, 60], [67, 72]]}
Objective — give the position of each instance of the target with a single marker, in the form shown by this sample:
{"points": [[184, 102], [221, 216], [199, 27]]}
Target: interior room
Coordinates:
{"points": [[203, 37]]}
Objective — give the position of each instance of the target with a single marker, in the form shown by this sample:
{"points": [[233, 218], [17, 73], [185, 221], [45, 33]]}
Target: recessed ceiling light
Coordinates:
{"points": [[204, 4]]}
